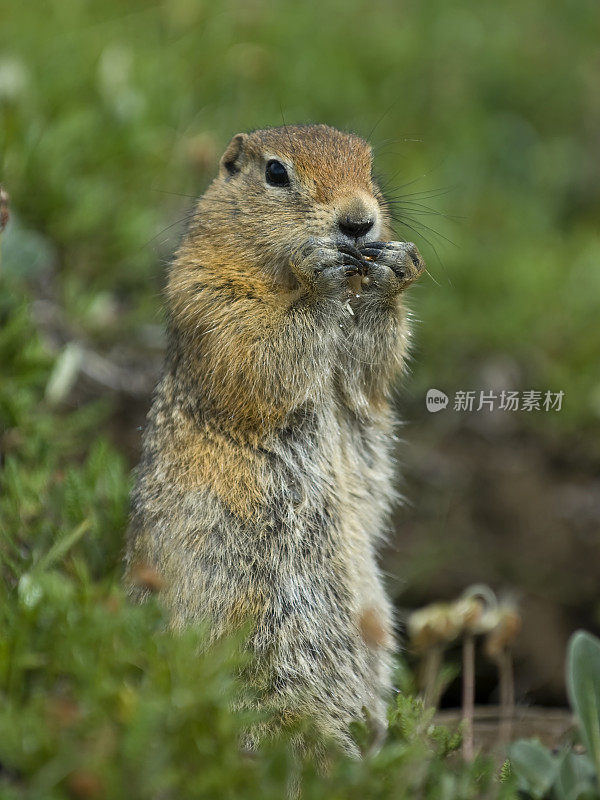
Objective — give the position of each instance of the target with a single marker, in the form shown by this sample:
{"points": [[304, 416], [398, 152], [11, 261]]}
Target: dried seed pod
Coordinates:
{"points": [[434, 624], [502, 635]]}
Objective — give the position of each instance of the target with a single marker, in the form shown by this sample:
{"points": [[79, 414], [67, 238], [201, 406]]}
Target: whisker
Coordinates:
{"points": [[431, 230], [180, 221], [176, 194], [425, 194], [432, 278], [419, 208], [430, 243]]}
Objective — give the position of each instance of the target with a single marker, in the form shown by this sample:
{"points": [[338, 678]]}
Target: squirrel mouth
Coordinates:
{"points": [[353, 243]]}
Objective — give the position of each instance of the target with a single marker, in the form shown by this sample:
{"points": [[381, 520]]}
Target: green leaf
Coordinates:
{"points": [[62, 546], [583, 686], [574, 778], [534, 767]]}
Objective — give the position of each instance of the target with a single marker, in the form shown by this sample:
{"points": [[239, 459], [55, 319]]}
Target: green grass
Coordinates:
{"points": [[100, 701]]}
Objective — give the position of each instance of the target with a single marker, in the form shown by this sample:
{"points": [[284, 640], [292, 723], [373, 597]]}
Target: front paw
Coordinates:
{"points": [[391, 265], [325, 268]]}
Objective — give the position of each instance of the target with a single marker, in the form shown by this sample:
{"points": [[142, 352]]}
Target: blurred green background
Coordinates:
{"points": [[485, 120]]}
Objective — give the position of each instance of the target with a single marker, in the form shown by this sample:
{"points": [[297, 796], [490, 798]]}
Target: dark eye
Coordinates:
{"points": [[276, 173]]}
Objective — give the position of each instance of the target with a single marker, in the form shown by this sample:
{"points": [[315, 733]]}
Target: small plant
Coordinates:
{"points": [[568, 775], [477, 612]]}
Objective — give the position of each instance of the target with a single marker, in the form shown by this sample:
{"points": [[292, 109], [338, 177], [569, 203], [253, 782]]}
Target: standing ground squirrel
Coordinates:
{"points": [[266, 478]]}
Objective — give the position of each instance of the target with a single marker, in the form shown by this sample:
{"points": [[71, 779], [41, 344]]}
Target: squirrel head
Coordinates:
{"points": [[278, 187]]}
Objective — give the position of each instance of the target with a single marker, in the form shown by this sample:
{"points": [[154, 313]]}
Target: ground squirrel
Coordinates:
{"points": [[266, 478]]}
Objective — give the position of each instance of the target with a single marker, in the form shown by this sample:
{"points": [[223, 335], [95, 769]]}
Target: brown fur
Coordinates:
{"points": [[265, 481]]}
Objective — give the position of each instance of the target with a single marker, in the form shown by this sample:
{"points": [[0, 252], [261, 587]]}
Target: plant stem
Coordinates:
{"points": [[468, 696], [433, 660], [507, 696]]}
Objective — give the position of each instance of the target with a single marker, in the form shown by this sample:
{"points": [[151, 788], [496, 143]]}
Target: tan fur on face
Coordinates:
{"points": [[329, 162], [242, 220]]}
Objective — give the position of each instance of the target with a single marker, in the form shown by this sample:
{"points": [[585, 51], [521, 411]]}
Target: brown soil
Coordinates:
{"points": [[552, 726]]}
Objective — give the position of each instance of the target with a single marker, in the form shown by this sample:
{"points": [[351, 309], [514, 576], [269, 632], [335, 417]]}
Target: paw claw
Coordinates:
{"points": [[402, 258]]}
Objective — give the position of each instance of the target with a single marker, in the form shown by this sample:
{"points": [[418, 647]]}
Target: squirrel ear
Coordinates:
{"points": [[232, 157]]}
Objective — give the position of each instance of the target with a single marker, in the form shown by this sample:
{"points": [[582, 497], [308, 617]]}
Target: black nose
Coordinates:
{"points": [[353, 228]]}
